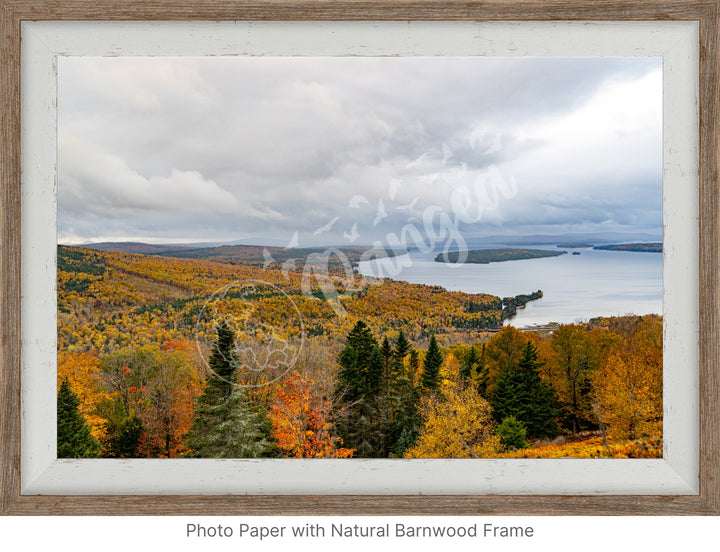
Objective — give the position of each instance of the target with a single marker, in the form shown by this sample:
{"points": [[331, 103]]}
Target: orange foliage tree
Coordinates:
{"points": [[302, 421]]}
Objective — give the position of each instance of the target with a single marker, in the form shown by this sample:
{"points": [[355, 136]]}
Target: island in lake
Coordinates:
{"points": [[574, 245], [485, 256], [636, 247]]}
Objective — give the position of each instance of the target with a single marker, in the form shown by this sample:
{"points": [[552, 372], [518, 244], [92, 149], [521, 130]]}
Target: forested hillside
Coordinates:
{"points": [[225, 357]]}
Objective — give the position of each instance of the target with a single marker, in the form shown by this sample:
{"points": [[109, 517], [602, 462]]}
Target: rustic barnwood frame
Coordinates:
{"points": [[705, 12]]}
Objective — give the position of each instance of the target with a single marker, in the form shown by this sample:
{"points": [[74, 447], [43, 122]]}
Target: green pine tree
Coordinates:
{"points": [[431, 365], [225, 424], [363, 393], [482, 374], [521, 393], [512, 433], [386, 351], [414, 364], [73, 434], [387, 354], [128, 438], [361, 365], [506, 399], [540, 418], [402, 349], [224, 364], [402, 428], [408, 438], [406, 420], [232, 429]]}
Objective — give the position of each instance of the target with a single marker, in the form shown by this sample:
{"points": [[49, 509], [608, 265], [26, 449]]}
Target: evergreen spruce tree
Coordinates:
{"points": [[225, 424], [406, 419], [512, 433], [387, 354], [233, 429], [363, 394], [385, 401], [73, 434], [361, 365], [408, 438], [122, 433], [431, 365], [413, 364], [521, 393], [404, 428], [126, 440], [224, 363], [363, 430], [374, 374], [386, 351], [507, 397], [482, 374], [540, 420], [402, 349]]}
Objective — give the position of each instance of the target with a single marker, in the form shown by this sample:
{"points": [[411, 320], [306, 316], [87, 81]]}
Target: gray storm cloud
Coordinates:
{"points": [[257, 149]]}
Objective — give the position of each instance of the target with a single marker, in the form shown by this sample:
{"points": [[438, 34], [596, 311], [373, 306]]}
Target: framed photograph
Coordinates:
{"points": [[359, 258]]}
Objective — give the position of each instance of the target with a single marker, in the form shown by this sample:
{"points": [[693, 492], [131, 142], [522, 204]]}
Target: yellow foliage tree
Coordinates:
{"points": [[168, 402], [82, 370], [450, 369], [628, 389], [628, 386], [573, 355], [458, 423]]}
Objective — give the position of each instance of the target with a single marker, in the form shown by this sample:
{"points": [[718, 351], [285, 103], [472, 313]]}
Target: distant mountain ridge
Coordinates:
{"points": [[601, 238], [233, 248], [132, 247], [258, 254]]}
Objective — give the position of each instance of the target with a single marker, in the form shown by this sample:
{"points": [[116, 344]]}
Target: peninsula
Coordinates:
{"points": [[485, 256]]}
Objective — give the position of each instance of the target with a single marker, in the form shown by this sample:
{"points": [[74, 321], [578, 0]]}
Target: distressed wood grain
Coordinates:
{"points": [[710, 259], [355, 10], [706, 12], [9, 257]]}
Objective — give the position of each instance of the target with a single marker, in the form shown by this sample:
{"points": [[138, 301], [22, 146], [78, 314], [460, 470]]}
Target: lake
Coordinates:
{"points": [[575, 287]]}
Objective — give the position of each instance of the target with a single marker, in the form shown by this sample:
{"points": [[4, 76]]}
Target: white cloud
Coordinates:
{"points": [[93, 179], [264, 147]]}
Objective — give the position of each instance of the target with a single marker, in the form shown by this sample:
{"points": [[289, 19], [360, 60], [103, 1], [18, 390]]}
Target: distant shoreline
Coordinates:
{"points": [[574, 245], [486, 256], [634, 247]]}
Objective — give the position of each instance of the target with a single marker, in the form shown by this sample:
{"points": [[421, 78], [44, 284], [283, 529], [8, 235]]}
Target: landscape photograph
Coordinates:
{"points": [[359, 257]]}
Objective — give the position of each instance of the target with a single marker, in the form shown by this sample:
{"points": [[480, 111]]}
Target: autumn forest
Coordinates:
{"points": [[236, 355]]}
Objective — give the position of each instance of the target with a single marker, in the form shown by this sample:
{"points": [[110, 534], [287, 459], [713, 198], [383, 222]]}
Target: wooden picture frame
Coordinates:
{"points": [[707, 15]]}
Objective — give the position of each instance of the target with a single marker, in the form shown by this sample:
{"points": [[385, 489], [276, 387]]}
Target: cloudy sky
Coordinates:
{"points": [[317, 151]]}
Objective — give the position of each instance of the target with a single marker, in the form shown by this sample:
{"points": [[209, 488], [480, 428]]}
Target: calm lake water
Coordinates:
{"points": [[575, 287]]}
